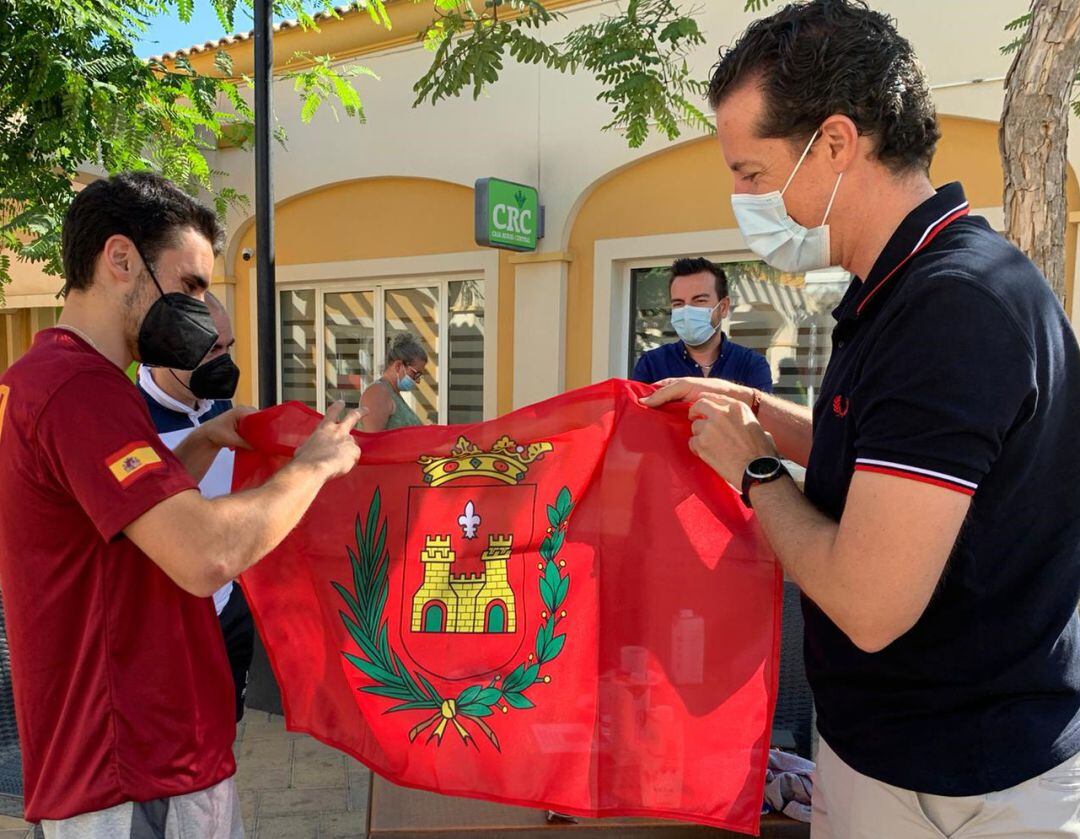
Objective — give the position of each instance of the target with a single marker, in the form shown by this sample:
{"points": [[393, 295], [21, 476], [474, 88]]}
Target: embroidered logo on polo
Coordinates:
{"points": [[841, 405], [132, 462]]}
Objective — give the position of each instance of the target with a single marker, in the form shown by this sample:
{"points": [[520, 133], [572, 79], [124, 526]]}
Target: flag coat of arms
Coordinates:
{"points": [[562, 607]]}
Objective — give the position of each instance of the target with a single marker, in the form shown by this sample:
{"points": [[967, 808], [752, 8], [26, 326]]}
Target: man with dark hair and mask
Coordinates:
{"points": [[109, 554], [698, 292], [937, 543], [180, 401]]}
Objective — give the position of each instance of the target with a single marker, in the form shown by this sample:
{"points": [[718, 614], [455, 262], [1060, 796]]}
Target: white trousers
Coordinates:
{"points": [[849, 805]]}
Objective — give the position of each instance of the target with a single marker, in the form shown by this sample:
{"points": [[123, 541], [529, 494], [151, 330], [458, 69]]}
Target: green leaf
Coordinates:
{"points": [[475, 710], [391, 691], [310, 107], [560, 593], [515, 680], [681, 28], [430, 688], [519, 701], [547, 594], [347, 596], [420, 704], [362, 640], [370, 669], [543, 637], [552, 573], [488, 696], [223, 62], [406, 676], [563, 503], [553, 648], [469, 694], [1021, 22]]}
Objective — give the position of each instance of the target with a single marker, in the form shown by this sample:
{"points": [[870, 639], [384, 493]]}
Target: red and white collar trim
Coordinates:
{"points": [[927, 237]]}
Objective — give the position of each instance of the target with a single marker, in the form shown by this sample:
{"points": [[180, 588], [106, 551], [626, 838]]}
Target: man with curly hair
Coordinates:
{"points": [[937, 544]]}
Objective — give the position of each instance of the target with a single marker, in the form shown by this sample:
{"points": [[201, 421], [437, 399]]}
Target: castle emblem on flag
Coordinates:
{"points": [[475, 636], [472, 602]]}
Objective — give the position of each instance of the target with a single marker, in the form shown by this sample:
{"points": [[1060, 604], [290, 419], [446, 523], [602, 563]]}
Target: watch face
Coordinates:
{"points": [[763, 467]]}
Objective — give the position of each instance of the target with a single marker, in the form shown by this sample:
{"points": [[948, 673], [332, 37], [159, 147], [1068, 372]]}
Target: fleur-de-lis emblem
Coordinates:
{"points": [[469, 521]]}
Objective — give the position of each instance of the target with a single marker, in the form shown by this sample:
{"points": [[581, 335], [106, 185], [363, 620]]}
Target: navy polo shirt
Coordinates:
{"points": [[735, 363], [956, 366]]}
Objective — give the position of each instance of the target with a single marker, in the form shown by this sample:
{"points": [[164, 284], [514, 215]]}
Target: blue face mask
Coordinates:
{"points": [[693, 324], [406, 382]]}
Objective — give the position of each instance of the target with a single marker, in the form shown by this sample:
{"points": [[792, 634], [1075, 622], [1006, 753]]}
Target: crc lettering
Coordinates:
{"points": [[512, 220]]}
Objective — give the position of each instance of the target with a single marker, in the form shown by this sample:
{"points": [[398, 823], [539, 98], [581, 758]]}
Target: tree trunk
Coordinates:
{"points": [[1034, 131]]}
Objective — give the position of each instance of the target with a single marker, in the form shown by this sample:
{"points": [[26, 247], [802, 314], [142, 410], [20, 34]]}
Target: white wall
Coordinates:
{"points": [[565, 153]]}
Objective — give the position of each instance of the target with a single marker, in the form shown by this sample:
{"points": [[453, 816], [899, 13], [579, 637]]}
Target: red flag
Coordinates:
{"points": [[562, 607]]}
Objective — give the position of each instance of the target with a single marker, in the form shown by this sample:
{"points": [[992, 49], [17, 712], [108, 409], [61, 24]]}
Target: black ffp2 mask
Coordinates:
{"points": [[216, 379], [177, 330]]}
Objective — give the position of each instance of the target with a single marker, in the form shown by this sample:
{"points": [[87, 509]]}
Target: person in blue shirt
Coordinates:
{"points": [[699, 303]]}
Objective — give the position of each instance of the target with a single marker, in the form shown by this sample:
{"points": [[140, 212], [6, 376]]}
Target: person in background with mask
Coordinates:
{"points": [[406, 361], [937, 545], [699, 304], [180, 401], [109, 554]]}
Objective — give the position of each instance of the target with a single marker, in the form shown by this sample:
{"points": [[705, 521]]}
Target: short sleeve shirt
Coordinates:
{"points": [[122, 686], [953, 364], [735, 363]]}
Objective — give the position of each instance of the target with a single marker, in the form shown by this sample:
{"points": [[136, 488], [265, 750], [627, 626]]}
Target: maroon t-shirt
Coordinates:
{"points": [[122, 686]]}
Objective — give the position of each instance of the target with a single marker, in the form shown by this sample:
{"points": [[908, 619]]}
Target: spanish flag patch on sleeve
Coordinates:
{"points": [[133, 461]]}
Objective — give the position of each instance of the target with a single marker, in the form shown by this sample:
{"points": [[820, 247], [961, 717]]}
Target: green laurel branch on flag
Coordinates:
{"points": [[367, 626]]}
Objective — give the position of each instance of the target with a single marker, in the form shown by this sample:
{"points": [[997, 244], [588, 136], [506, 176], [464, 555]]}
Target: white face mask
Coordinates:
{"points": [[775, 236]]}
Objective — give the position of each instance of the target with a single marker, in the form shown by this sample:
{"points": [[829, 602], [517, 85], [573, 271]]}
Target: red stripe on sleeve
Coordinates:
{"points": [[915, 476]]}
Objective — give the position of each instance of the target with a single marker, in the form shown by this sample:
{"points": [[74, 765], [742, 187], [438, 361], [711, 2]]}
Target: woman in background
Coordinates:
{"points": [[406, 361]]}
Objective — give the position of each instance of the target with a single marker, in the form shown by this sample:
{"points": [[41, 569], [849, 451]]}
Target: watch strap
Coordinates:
{"points": [[750, 480]]}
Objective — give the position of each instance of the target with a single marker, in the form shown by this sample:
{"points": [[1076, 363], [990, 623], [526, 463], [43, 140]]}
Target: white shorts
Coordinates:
{"points": [[212, 813]]}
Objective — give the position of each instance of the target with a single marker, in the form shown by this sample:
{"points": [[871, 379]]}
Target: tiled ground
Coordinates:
{"points": [[294, 787], [291, 786], [12, 828]]}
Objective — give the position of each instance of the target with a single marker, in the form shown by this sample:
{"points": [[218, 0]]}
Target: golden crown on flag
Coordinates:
{"points": [[507, 461]]}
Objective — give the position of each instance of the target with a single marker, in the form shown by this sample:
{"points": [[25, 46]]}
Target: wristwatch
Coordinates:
{"points": [[761, 470]]}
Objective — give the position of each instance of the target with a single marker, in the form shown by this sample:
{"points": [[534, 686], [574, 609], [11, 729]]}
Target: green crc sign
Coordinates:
{"points": [[508, 215]]}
